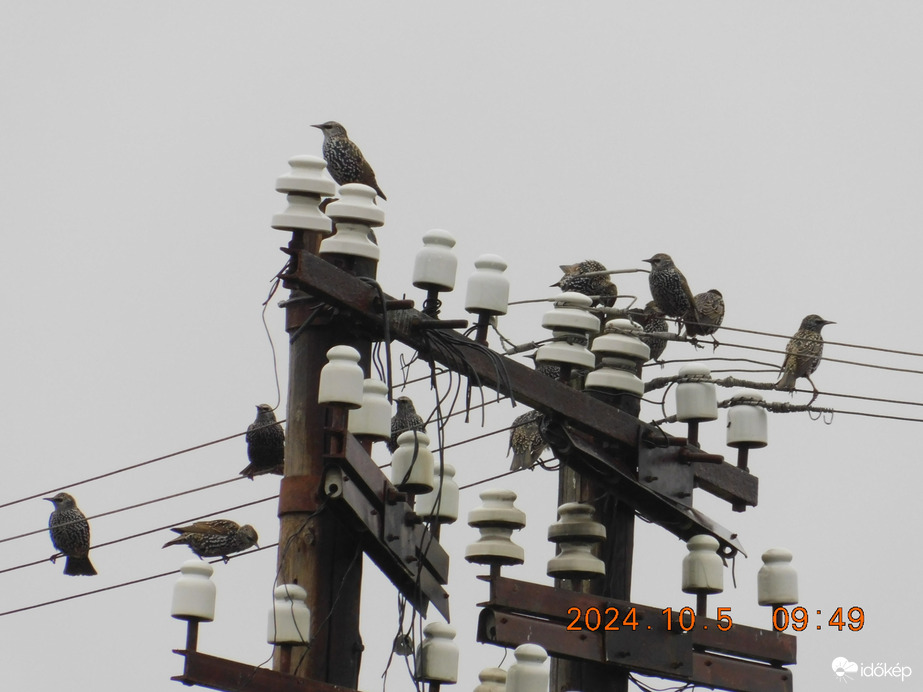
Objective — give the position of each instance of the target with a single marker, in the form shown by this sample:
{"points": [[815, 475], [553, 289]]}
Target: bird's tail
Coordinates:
{"points": [[77, 566], [787, 381], [179, 540], [521, 460]]}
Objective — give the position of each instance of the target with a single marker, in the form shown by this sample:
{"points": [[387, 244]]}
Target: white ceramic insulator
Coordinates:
{"points": [[437, 656], [341, 378], [575, 354], [529, 673], [492, 680], [575, 523], [497, 510], [571, 314], [372, 420], [777, 580], [194, 592], [488, 287], [703, 570], [435, 265], [696, 401], [350, 239], [442, 503], [495, 547], [302, 214], [606, 378], [307, 177], [575, 561], [356, 204], [412, 463], [619, 340], [289, 617], [747, 423]]}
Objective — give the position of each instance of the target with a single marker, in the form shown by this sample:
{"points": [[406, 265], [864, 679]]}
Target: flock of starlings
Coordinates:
{"points": [[700, 315]]}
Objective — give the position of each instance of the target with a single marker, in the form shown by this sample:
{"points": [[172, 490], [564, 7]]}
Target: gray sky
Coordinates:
{"points": [[773, 150]]}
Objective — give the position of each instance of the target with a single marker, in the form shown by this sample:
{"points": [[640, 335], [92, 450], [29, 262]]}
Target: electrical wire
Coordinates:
{"points": [[128, 468], [145, 533], [126, 583]]}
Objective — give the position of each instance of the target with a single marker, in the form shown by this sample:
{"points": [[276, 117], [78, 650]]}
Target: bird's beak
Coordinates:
{"points": [[50, 499], [649, 259], [829, 322], [556, 283], [319, 127]]}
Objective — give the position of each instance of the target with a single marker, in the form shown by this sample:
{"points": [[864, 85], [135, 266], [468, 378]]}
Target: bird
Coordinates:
{"points": [[803, 353], [669, 287], [345, 161], [406, 418], [710, 309], [599, 286], [526, 441], [216, 538], [651, 320], [265, 444], [70, 534]]}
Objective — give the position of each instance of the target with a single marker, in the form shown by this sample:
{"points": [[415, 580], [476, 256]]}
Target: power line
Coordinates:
{"points": [[129, 468], [127, 583]]}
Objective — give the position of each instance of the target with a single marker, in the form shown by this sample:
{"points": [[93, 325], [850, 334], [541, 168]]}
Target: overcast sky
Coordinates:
{"points": [[773, 149]]}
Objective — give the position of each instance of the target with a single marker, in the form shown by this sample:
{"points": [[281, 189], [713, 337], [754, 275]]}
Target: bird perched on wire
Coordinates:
{"points": [[216, 538], [70, 534], [405, 418], [599, 285], [710, 309], [669, 287], [345, 161], [265, 444], [803, 353], [651, 320], [526, 441]]}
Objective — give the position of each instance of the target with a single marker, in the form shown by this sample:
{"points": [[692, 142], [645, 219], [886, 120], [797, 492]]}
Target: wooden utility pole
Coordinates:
{"points": [[316, 550]]}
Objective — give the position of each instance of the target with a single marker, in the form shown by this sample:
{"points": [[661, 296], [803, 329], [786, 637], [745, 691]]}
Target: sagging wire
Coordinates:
{"points": [[272, 347]]}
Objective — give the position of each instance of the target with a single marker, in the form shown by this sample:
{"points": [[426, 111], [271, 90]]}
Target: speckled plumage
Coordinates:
{"points": [[265, 444], [405, 418], [600, 285], [526, 441], [70, 534], [669, 287], [710, 309], [803, 352], [345, 161], [216, 538], [652, 320]]}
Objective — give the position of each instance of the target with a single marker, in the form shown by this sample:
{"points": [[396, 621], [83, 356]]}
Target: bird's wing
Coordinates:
{"points": [[218, 527]]}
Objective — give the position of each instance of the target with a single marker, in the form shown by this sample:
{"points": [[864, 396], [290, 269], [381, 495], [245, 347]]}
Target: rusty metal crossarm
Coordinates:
{"points": [[360, 304], [232, 676], [586, 627], [390, 532], [584, 454]]}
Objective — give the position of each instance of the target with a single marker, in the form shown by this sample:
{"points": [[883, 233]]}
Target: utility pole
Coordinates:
{"points": [[335, 504]]}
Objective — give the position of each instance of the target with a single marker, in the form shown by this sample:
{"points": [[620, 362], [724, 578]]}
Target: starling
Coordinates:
{"points": [[526, 440], [669, 288], [803, 353], [651, 320], [217, 538], [345, 162], [265, 444], [710, 309], [405, 419], [599, 285], [70, 534]]}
